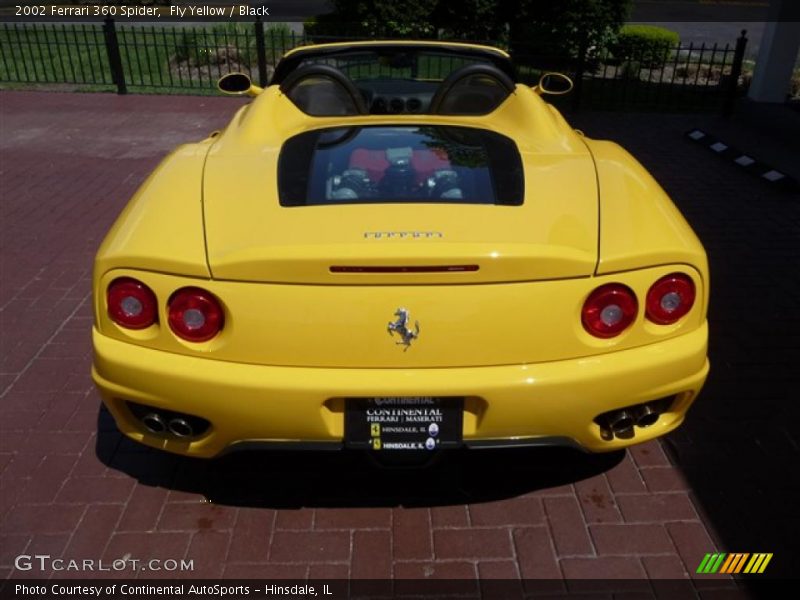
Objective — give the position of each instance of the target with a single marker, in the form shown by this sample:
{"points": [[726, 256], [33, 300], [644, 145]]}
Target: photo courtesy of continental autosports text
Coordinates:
{"points": [[143, 590]]}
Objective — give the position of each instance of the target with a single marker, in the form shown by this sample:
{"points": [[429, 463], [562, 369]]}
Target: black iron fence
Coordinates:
{"points": [[140, 57], [181, 59]]}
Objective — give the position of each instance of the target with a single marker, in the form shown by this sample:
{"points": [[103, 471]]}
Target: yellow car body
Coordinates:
{"points": [[309, 293]]}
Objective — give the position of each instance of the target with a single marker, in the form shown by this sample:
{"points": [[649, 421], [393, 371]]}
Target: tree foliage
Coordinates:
{"points": [[473, 19], [562, 27], [543, 27], [377, 18]]}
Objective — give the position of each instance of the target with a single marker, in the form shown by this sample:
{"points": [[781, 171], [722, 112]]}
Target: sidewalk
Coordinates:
{"points": [[72, 487]]}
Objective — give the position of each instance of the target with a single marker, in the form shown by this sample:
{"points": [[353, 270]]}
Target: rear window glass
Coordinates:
{"points": [[408, 163]]}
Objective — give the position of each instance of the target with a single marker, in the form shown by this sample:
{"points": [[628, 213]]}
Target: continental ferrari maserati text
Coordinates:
{"points": [[408, 414]]}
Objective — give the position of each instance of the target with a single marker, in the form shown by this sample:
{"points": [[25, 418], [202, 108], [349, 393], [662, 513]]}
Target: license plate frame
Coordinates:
{"points": [[404, 423]]}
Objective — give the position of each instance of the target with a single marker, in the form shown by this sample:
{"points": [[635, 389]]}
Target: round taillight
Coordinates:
{"points": [[670, 298], [609, 310], [131, 303], [195, 315]]}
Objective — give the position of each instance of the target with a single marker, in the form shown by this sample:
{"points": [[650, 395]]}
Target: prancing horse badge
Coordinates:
{"points": [[400, 327]]}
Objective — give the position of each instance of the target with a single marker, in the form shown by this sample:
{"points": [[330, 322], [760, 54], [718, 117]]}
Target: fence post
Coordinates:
{"points": [[736, 71], [583, 47], [114, 58], [261, 51]]}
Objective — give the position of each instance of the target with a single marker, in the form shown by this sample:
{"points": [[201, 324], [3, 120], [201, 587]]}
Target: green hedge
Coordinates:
{"points": [[648, 44]]}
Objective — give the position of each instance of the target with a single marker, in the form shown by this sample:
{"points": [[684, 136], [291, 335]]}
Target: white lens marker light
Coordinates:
{"points": [[194, 318], [670, 301], [611, 315], [131, 306]]}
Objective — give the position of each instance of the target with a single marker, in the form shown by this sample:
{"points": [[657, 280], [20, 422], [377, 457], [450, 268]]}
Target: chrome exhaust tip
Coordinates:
{"points": [[180, 428], [621, 424], [646, 416], [154, 423]]}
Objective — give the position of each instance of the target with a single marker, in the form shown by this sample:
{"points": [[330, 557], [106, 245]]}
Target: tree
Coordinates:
{"points": [[532, 27], [480, 20], [560, 28], [377, 18]]}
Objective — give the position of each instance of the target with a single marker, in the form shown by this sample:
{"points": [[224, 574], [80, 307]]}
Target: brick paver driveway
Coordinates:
{"points": [[72, 487]]}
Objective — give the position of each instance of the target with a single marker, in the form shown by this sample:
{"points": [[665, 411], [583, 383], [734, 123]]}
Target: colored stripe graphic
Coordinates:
{"points": [[715, 567], [765, 563], [711, 563], [735, 563], [724, 563], [703, 563], [754, 562], [740, 564], [758, 563]]}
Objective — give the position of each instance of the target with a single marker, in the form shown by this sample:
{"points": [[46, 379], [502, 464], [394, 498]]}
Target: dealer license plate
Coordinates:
{"points": [[403, 423]]}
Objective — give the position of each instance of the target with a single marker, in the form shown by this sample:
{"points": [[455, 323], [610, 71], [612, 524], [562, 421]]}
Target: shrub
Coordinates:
{"points": [[375, 18], [542, 28], [630, 69], [649, 44], [231, 44], [559, 29], [473, 19]]}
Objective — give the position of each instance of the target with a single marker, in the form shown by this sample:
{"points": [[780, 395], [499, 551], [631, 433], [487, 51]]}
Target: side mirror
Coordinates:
{"points": [[554, 84], [238, 84]]}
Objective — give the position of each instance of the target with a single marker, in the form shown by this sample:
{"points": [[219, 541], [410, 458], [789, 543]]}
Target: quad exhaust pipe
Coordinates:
{"points": [[645, 415], [154, 423], [177, 426], [180, 428], [622, 423], [167, 423]]}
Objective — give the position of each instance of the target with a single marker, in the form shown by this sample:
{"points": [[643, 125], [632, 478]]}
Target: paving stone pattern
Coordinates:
{"points": [[71, 486]]}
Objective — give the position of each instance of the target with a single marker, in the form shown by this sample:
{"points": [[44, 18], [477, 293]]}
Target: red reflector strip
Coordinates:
{"points": [[407, 269]]}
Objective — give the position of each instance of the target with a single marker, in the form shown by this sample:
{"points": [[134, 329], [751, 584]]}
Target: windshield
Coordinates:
{"points": [[409, 163], [395, 60], [365, 65]]}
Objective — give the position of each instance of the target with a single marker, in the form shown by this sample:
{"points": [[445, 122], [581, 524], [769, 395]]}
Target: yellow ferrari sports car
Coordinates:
{"points": [[398, 247]]}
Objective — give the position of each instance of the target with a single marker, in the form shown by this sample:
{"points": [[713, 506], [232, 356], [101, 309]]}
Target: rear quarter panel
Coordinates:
{"points": [[161, 227], [639, 224]]}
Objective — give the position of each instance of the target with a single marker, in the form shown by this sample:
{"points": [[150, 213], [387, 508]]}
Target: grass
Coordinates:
{"points": [[53, 53], [154, 59]]}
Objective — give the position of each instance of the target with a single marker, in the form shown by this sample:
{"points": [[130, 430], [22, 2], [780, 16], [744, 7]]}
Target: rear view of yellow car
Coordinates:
{"points": [[395, 246]]}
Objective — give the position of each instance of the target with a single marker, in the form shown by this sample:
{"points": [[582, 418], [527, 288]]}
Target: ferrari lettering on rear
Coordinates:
{"points": [[414, 235]]}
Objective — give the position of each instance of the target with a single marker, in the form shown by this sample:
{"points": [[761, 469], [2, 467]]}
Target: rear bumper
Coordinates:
{"points": [[534, 404]]}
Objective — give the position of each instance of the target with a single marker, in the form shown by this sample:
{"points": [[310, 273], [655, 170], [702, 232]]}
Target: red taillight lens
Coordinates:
{"points": [[609, 310], [131, 303], [670, 298], [195, 315]]}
